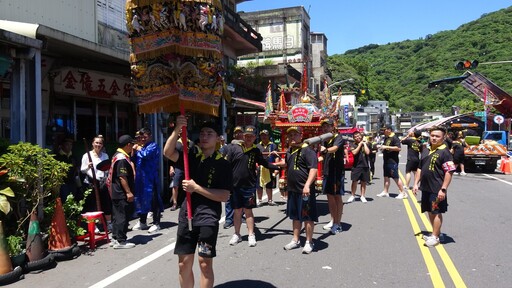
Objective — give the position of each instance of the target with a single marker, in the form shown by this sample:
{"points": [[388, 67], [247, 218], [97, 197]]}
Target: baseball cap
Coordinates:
{"points": [[294, 128], [249, 129], [265, 131], [238, 128], [124, 140], [328, 121], [212, 125]]}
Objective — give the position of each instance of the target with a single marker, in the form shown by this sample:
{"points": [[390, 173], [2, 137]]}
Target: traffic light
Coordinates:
{"points": [[466, 65]]}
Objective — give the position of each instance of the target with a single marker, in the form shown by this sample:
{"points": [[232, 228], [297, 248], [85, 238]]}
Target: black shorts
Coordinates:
{"points": [[429, 203], [331, 185], [302, 210], [391, 170], [204, 237], [243, 198], [412, 166], [360, 173]]}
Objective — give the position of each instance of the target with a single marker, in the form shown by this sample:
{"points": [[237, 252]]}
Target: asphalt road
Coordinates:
{"points": [[380, 246]]}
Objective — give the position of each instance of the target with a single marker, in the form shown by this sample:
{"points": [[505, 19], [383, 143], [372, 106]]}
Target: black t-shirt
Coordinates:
{"points": [[434, 165], [361, 158], [413, 149], [212, 172], [268, 148], [299, 161], [243, 162], [121, 168], [333, 162], [179, 148], [391, 157]]}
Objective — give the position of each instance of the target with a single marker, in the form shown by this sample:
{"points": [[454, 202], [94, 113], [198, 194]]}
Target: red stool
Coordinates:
{"points": [[91, 218]]}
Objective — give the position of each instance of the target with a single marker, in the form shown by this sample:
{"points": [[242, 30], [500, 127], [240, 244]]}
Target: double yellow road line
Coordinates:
{"points": [[426, 252]]}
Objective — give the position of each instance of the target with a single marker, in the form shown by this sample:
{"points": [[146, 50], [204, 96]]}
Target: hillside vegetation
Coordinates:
{"points": [[399, 72]]}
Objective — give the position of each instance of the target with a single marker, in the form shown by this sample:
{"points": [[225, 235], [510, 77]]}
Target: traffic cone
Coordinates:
{"points": [[35, 247], [5, 260], [59, 233], [502, 164], [506, 168]]}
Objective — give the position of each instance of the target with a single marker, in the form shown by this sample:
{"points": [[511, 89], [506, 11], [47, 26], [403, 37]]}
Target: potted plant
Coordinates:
{"points": [[14, 242], [35, 176]]}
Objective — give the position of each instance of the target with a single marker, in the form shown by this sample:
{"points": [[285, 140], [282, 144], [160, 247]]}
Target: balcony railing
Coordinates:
{"points": [[235, 22]]}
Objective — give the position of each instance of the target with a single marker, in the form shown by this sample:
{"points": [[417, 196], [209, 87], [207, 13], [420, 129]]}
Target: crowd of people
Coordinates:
{"points": [[239, 172]]}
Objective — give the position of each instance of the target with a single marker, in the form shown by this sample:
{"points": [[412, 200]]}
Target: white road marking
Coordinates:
{"points": [[501, 180]]}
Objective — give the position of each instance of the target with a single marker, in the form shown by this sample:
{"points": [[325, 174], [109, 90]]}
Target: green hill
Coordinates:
{"points": [[399, 72]]}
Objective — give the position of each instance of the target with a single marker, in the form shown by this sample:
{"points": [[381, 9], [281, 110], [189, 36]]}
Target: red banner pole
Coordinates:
{"points": [[184, 139]]}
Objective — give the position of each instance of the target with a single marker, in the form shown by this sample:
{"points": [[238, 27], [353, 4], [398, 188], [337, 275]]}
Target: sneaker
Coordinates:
{"points": [[383, 194], [228, 224], [308, 248], [150, 215], [113, 242], [271, 203], [140, 226], [441, 237], [431, 241], [252, 240], [154, 228], [339, 228], [124, 245], [235, 239], [328, 226], [292, 245], [173, 208], [259, 204], [351, 199], [363, 199], [463, 174], [402, 196], [335, 229]]}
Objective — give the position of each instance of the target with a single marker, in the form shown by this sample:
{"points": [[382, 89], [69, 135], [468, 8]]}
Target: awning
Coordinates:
{"points": [[248, 104]]}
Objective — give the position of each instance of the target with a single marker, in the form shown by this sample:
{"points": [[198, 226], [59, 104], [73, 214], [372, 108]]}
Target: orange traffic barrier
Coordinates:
{"points": [[59, 233], [5, 260], [35, 247]]}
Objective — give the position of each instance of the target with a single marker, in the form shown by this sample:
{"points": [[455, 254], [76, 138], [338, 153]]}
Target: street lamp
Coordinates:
{"points": [[341, 81]]}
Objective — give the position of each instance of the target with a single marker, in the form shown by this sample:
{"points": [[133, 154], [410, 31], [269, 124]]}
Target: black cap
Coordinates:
{"points": [[124, 140], [212, 125], [249, 129], [294, 128]]}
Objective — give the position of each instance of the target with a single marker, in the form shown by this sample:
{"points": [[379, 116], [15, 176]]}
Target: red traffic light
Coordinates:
{"points": [[466, 65]]}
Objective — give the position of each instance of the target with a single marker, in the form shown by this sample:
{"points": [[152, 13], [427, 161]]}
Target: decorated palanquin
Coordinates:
{"points": [[305, 115], [176, 54]]}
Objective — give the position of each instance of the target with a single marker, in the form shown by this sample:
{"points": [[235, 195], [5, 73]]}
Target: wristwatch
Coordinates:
{"points": [[443, 190]]}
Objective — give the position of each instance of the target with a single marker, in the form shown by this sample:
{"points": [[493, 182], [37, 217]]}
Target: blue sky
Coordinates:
{"points": [[353, 24]]}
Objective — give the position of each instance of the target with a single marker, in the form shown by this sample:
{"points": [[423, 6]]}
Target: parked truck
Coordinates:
{"points": [[484, 147]]}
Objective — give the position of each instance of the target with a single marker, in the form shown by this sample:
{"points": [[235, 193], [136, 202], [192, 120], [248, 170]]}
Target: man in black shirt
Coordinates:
{"points": [[390, 150], [120, 183], [332, 155], [435, 175], [266, 179], [361, 169], [210, 184], [302, 166], [413, 155], [243, 158]]}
